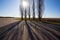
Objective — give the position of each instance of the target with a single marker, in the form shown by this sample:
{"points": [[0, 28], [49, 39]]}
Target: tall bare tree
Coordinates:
{"points": [[29, 13], [29, 10], [33, 9], [21, 11], [40, 9], [25, 14]]}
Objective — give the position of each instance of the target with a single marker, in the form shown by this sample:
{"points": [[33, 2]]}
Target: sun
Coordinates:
{"points": [[25, 4]]}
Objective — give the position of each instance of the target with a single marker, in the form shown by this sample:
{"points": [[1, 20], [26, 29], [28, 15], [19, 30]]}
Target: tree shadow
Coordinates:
{"points": [[29, 31], [5, 29]]}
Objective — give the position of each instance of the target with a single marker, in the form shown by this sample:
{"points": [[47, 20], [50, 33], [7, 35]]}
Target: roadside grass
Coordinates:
{"points": [[58, 23], [18, 18], [42, 20], [50, 20]]}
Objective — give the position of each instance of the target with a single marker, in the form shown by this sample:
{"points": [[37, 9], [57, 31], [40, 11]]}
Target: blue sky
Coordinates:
{"points": [[11, 8], [52, 8]]}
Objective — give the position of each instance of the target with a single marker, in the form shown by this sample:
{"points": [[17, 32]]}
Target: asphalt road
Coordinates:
{"points": [[30, 30]]}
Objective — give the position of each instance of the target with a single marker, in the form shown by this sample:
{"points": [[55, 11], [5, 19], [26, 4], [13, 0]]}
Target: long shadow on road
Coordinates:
{"points": [[29, 31], [48, 29], [7, 28]]}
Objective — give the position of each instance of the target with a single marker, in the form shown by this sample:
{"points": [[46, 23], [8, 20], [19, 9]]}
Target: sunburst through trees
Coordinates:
{"points": [[25, 9]]}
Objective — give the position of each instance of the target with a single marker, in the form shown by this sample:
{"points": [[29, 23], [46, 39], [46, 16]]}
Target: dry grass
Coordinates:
{"points": [[51, 20]]}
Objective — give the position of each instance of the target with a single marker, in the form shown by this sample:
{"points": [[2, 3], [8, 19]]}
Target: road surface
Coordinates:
{"points": [[30, 30]]}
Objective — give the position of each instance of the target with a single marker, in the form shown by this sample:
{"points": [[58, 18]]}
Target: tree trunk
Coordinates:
{"points": [[39, 9], [33, 10], [21, 10], [29, 9], [25, 15], [29, 12]]}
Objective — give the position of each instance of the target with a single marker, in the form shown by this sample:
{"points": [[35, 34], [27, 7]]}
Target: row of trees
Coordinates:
{"points": [[39, 8]]}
